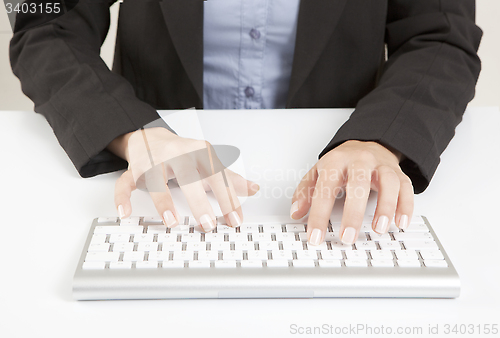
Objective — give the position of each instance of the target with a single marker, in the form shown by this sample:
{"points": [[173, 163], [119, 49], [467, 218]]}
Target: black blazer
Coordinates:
{"points": [[412, 101]]}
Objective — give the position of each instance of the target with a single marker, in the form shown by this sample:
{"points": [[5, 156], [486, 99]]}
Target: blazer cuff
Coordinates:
{"points": [[420, 157]]}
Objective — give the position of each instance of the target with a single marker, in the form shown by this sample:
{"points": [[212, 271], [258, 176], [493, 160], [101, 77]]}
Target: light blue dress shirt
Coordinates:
{"points": [[248, 53]]}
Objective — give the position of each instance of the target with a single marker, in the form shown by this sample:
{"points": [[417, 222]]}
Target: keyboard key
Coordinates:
{"points": [[158, 256], [215, 237], [98, 239], [329, 263], [307, 255], [329, 255], [269, 245], [295, 228], [172, 264], [180, 228], [225, 264], [224, 229], [394, 245], [232, 255], [257, 255], [321, 246], [123, 229], [93, 266], [435, 263], [272, 228], [199, 264], [265, 237], [162, 238], [380, 237], [369, 245], [246, 246], [194, 246], [285, 236], [119, 238], [102, 257], [107, 220], [382, 263], [281, 255], [420, 245], [133, 256], [120, 265], [195, 237], [172, 246], [303, 264], [157, 229], [417, 227], [340, 246], [152, 246], [303, 236], [129, 221], [146, 265], [403, 236], [249, 228], [237, 237], [220, 246], [330, 236], [221, 221], [153, 219], [148, 238], [381, 255], [431, 254], [251, 264], [356, 255], [293, 245], [98, 247], [351, 263], [123, 247], [277, 264], [406, 255], [407, 263], [208, 256], [183, 256]]}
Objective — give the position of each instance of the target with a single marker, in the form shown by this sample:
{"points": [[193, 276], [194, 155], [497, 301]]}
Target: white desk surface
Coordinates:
{"points": [[46, 210]]}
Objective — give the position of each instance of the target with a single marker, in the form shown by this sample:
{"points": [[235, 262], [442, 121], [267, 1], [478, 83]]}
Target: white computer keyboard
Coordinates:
{"points": [[140, 258]]}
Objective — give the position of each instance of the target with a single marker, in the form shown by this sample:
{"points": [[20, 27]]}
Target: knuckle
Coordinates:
{"points": [[364, 155]]}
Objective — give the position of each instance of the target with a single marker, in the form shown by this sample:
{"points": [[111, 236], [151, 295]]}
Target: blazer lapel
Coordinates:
{"points": [[316, 23], [184, 19]]}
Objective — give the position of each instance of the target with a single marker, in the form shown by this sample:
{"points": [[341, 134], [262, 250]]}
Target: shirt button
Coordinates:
{"points": [[255, 34], [249, 92]]}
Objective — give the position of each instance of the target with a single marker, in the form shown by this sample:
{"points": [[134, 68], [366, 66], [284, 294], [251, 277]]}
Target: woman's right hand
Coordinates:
{"points": [[157, 155]]}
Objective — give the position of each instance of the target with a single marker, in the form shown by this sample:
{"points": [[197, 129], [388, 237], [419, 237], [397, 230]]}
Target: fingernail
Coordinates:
{"points": [[254, 186], [121, 213], [294, 208], [315, 238], [207, 223], [348, 236], [169, 219], [234, 219], [403, 222], [382, 224]]}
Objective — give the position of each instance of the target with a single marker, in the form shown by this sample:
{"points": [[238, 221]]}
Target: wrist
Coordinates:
{"points": [[119, 146]]}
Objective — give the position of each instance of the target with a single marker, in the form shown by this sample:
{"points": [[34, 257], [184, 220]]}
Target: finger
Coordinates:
{"points": [[302, 196], [224, 192], [156, 179], [242, 186], [404, 210], [357, 192], [388, 191], [123, 189], [323, 199], [195, 194]]}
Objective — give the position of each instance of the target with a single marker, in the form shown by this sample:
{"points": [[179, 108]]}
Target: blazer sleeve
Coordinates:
{"points": [[427, 81], [85, 103]]}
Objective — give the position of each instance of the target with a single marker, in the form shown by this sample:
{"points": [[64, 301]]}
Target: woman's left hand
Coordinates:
{"points": [[357, 167]]}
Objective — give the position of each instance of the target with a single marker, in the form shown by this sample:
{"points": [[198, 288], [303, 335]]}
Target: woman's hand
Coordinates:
{"points": [[357, 167], [157, 155]]}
